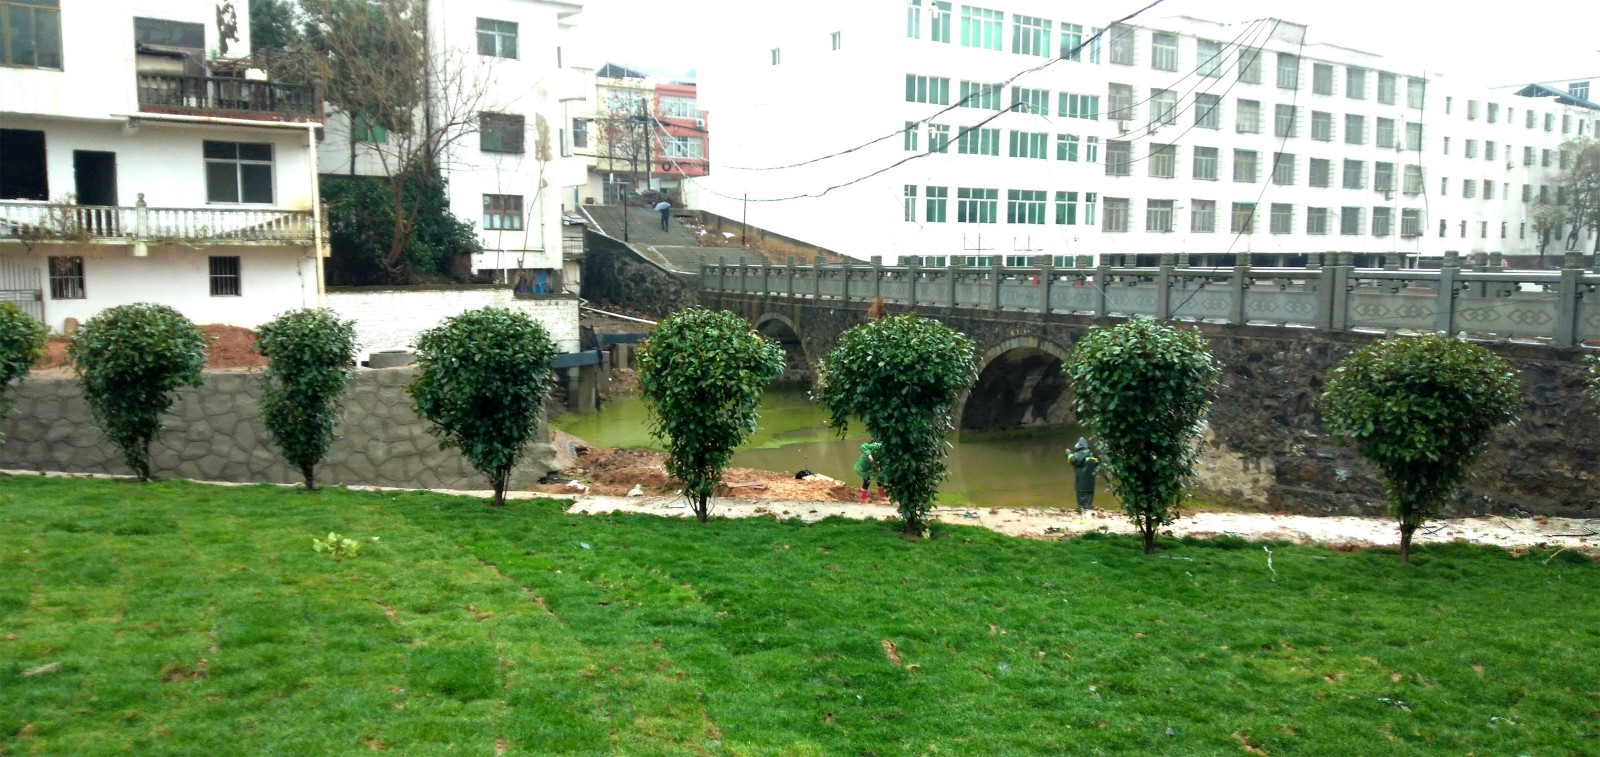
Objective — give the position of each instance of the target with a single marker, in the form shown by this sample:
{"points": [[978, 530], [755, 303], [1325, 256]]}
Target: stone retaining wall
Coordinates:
{"points": [[215, 433]]}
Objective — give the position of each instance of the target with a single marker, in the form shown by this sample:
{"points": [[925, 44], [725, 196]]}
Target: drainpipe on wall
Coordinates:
{"points": [[316, 215]]}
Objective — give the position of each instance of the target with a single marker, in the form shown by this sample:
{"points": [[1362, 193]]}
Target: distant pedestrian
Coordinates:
{"points": [[665, 209], [1084, 465], [869, 466]]}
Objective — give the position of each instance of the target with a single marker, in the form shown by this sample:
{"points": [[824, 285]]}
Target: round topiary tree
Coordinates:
{"points": [[22, 340], [130, 359], [309, 354], [901, 376], [703, 374], [1142, 388], [1421, 409], [481, 381]]}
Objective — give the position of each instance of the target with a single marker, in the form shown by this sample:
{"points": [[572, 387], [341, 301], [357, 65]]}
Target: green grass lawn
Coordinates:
{"points": [[192, 619]]}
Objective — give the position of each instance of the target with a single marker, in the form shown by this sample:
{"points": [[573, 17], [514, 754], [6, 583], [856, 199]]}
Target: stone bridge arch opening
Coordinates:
{"points": [[796, 364], [1020, 385]]}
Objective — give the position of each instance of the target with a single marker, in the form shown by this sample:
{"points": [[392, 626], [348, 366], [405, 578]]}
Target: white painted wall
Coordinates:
{"points": [[393, 318], [801, 109]]}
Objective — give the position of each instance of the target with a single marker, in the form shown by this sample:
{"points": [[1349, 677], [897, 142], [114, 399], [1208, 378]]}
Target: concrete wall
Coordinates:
{"points": [[214, 433], [765, 240], [615, 274], [1265, 441], [393, 318]]}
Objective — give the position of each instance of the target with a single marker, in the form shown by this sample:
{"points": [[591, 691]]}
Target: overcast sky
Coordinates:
{"points": [[1492, 43]]}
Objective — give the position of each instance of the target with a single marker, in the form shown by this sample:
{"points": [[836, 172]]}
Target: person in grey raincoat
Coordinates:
{"points": [[1084, 465]]}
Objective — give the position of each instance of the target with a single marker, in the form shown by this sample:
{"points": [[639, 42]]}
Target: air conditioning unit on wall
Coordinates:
{"points": [[700, 123]]}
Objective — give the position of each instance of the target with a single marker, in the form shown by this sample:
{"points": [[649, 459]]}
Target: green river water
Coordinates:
{"points": [[1020, 469]]}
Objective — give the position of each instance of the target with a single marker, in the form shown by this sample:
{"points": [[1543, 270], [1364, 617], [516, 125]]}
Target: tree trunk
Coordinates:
{"points": [[142, 470], [1406, 529], [500, 479], [702, 510], [311, 478], [1149, 529]]}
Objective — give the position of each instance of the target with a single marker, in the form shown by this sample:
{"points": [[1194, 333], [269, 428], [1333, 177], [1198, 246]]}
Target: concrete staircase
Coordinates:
{"points": [[675, 249]]}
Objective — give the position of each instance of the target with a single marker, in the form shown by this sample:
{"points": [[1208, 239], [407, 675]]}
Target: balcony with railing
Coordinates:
{"points": [[229, 97], [35, 222]]}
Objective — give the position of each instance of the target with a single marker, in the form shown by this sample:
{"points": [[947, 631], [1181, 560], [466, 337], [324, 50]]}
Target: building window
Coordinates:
{"points": [[1413, 184], [1089, 206], [1029, 100], [1202, 216], [676, 106], [1549, 122], [1163, 161], [1119, 102], [674, 146], [1249, 118], [1544, 193], [1565, 159], [1355, 83], [1030, 144], [1321, 172], [156, 31], [1067, 208], [1381, 220], [26, 173], [980, 27], [1288, 71], [1091, 150], [1244, 214], [978, 142], [1579, 90], [1283, 120], [1411, 223], [1283, 169], [1355, 129], [1354, 174], [1244, 166], [1385, 137], [1488, 150], [1025, 206], [497, 39], [977, 205], [30, 33], [1208, 111], [1249, 65], [1416, 90], [1030, 36], [1545, 158], [1321, 126], [777, 55], [1472, 148], [1566, 124], [835, 40], [225, 277], [927, 89], [1071, 41], [238, 172], [979, 95], [1119, 157], [1205, 163], [66, 278], [1164, 51], [1527, 193], [1316, 220], [1414, 137], [934, 210], [1444, 186], [1469, 188], [1494, 112], [1386, 87], [910, 202], [1282, 219], [1116, 214], [939, 30], [1350, 221], [1158, 215], [1322, 78], [912, 129], [502, 212], [1488, 190], [1531, 118], [1383, 177], [1067, 147], [1078, 106], [500, 132], [1210, 58], [1123, 39], [939, 138], [1163, 107], [1527, 156], [580, 132], [914, 19]]}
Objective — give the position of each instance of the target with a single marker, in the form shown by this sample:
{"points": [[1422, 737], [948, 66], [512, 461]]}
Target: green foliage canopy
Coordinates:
{"points": [[130, 359], [901, 376], [22, 341], [703, 374], [1421, 408], [361, 232], [309, 357], [1143, 388], [482, 380]]}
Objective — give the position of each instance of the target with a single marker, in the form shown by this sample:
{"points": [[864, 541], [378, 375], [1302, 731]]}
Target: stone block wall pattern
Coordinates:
{"points": [[393, 318], [614, 273], [215, 433]]}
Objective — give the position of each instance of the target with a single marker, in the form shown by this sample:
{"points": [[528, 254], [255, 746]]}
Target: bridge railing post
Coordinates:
{"points": [[788, 280], [1341, 289], [1238, 289], [722, 274], [997, 277], [1047, 279], [1164, 267], [816, 278], [877, 276], [744, 276], [1444, 311], [1102, 281], [1566, 333], [912, 274], [953, 273], [766, 278], [844, 280]]}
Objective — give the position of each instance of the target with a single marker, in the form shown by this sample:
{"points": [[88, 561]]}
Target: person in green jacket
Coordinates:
{"points": [[1084, 465], [868, 468]]}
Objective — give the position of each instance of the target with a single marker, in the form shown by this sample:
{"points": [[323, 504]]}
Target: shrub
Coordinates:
{"points": [[309, 356], [22, 340], [901, 376], [703, 374], [336, 546], [1421, 409], [131, 358], [1143, 388], [482, 380]]}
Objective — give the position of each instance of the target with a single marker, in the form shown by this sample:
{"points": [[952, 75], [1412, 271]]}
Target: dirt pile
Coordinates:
{"points": [[615, 471], [227, 348]]}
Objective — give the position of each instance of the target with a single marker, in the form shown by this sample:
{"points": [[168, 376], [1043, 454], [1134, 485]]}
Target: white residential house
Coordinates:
{"points": [[1000, 133], [510, 172], [143, 159]]}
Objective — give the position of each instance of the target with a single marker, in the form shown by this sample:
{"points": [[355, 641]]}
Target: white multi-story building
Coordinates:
{"points": [[510, 170], [1010, 131], [144, 159]]}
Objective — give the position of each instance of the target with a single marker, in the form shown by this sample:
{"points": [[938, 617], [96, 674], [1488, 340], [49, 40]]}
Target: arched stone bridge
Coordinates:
{"points": [[1266, 443]]}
